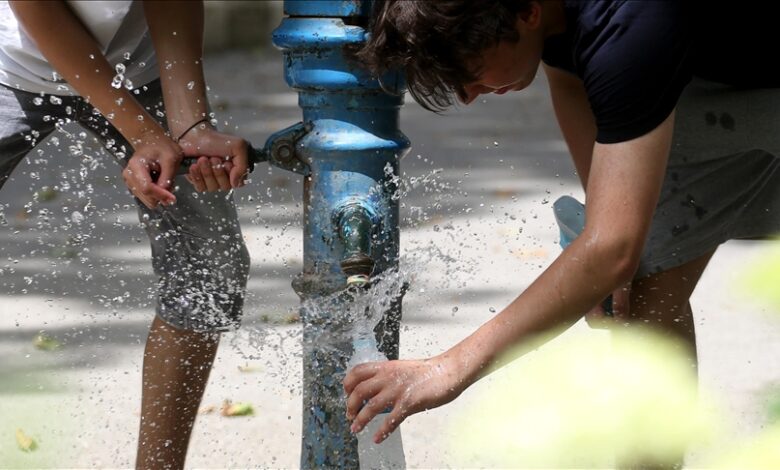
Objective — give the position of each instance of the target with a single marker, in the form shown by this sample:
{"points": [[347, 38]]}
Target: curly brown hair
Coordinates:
{"points": [[437, 43]]}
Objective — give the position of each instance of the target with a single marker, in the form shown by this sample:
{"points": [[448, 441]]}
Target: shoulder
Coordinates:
{"points": [[633, 59]]}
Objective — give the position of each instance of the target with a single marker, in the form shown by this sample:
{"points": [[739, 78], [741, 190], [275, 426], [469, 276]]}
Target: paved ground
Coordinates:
{"points": [[85, 279]]}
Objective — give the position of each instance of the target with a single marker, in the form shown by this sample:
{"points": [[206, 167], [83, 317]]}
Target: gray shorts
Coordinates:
{"points": [[723, 177], [198, 251]]}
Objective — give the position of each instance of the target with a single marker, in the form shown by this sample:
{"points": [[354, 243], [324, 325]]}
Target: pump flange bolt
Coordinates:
{"points": [[283, 152]]}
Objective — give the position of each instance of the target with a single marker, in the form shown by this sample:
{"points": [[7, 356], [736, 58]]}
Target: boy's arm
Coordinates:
{"points": [[177, 33], [75, 54], [578, 125], [623, 188], [575, 118]]}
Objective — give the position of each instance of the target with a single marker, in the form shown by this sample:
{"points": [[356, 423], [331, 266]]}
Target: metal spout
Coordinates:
{"points": [[356, 227], [279, 151]]}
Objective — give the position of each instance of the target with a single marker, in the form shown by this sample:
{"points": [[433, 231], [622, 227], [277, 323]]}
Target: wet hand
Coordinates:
{"points": [[598, 318], [407, 386], [150, 171], [223, 162]]}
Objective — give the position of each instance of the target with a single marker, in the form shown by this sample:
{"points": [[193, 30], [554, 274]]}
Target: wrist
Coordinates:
{"points": [[458, 367], [194, 129], [151, 134]]}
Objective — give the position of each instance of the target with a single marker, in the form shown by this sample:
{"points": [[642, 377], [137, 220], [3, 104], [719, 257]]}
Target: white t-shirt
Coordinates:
{"points": [[118, 26]]}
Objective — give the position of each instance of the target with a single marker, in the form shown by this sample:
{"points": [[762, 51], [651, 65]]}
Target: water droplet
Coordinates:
{"points": [[190, 85], [37, 101], [56, 100]]}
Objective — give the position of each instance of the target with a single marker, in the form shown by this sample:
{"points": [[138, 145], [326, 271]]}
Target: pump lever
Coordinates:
{"points": [[279, 151]]}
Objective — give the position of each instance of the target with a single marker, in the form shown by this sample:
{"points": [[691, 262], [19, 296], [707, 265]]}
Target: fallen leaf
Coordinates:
{"points": [[44, 194], [248, 368], [45, 342], [292, 318], [25, 442], [536, 253], [22, 215], [236, 409], [208, 409], [64, 252], [504, 193]]}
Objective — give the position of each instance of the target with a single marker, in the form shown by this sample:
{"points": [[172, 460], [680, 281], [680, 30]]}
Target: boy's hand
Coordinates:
{"points": [[150, 171], [407, 386], [223, 162]]}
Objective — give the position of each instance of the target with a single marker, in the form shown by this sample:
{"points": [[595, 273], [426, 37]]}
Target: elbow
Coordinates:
{"points": [[616, 257], [626, 265]]}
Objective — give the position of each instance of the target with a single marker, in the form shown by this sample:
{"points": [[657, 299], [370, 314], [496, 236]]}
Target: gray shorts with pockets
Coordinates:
{"points": [[198, 250], [723, 176]]}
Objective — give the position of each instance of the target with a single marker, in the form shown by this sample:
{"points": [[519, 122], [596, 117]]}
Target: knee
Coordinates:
{"points": [[203, 284]]}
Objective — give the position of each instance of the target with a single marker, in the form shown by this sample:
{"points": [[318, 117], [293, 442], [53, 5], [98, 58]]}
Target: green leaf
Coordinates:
{"points": [[237, 409], [45, 342]]}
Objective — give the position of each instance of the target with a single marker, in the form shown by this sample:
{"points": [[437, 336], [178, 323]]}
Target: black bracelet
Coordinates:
{"points": [[191, 128]]}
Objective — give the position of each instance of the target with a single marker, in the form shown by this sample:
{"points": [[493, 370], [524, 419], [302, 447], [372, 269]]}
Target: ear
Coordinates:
{"points": [[530, 19]]}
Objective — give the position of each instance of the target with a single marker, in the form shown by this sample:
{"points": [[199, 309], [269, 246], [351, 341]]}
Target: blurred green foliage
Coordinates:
{"points": [[580, 402], [762, 278]]}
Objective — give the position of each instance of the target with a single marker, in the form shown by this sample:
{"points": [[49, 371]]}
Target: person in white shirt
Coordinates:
{"points": [[99, 63]]}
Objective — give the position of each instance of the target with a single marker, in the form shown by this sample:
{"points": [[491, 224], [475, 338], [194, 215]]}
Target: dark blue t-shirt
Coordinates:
{"points": [[635, 57]]}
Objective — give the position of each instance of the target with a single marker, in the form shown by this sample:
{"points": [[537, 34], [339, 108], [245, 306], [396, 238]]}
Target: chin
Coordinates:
{"points": [[525, 83]]}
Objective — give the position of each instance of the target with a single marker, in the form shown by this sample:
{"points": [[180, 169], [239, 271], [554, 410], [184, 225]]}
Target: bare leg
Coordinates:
{"points": [[175, 371], [661, 303]]}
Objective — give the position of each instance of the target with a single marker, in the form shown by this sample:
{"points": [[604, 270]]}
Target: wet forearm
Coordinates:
{"points": [[177, 32], [580, 278], [76, 56], [623, 188]]}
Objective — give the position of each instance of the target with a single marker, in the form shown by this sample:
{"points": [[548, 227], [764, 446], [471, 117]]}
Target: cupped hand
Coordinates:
{"points": [[151, 169], [223, 161], [407, 387]]}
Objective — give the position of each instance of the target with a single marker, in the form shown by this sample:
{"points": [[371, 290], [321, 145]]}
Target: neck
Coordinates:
{"points": [[553, 17]]}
